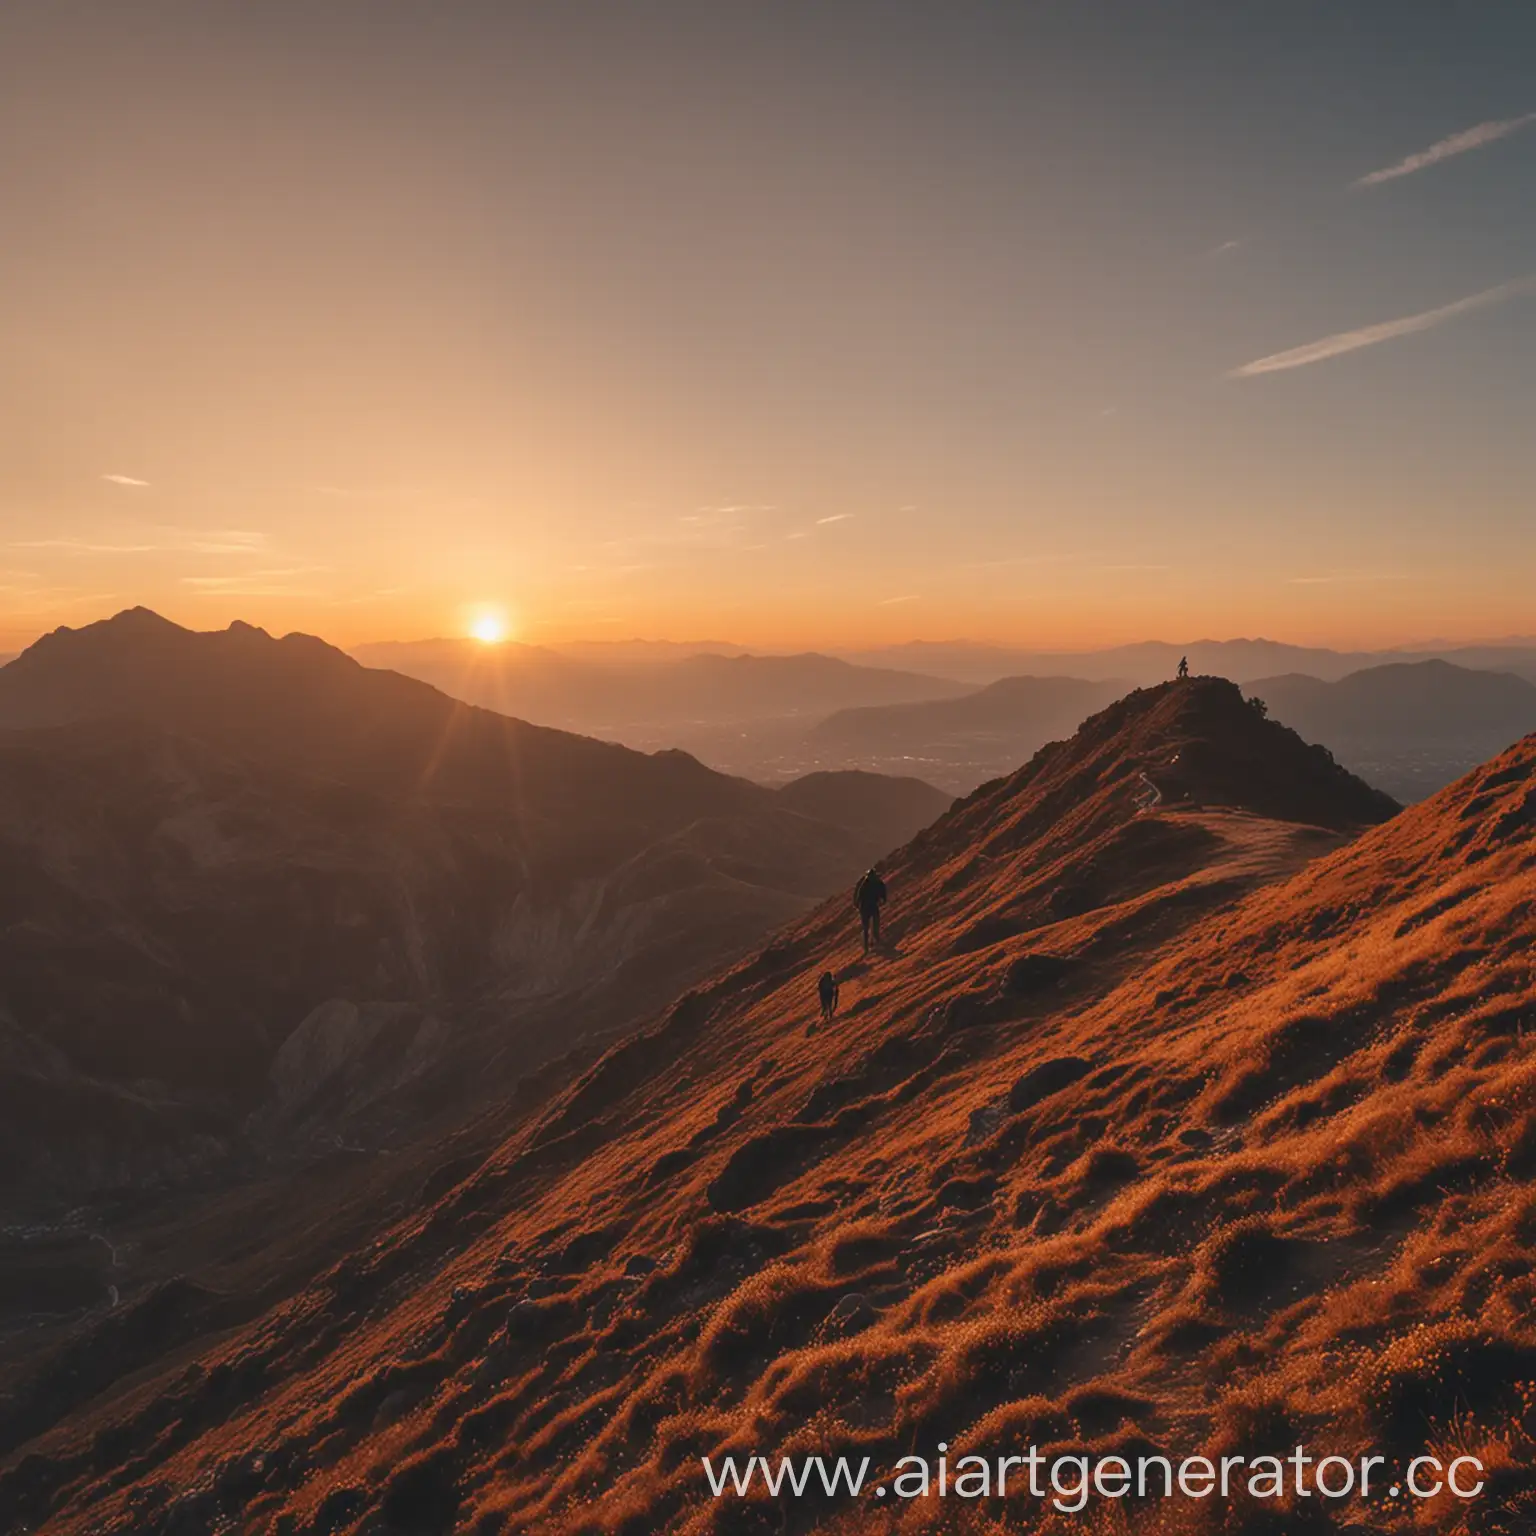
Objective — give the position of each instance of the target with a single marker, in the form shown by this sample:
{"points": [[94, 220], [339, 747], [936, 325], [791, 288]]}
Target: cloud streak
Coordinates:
{"points": [[1389, 330], [125, 480], [1448, 148], [267, 583], [84, 547], [162, 540]]}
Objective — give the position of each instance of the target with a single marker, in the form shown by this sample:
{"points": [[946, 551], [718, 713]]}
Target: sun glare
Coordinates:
{"points": [[489, 627]]}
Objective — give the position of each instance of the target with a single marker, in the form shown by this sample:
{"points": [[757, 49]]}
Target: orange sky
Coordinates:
{"points": [[687, 322]]}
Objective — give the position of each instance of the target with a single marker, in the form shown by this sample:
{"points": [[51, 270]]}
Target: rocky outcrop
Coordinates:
{"points": [[341, 1061]]}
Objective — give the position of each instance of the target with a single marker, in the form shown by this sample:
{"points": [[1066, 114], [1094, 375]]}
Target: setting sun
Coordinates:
{"points": [[489, 627]]}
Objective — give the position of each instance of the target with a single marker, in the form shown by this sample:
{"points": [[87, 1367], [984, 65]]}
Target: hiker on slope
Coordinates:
{"points": [[869, 897], [826, 991]]}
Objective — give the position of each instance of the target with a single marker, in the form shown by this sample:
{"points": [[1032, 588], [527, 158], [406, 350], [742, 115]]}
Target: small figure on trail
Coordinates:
{"points": [[868, 897], [826, 990], [1183, 666]]}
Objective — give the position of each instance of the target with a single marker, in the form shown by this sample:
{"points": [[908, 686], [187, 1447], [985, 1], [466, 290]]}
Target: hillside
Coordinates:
{"points": [[242, 877], [1227, 1148], [962, 742], [1410, 727]]}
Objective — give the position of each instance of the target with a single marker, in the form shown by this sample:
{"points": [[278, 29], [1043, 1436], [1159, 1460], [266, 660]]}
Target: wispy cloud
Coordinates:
{"points": [[367, 492], [1226, 247], [85, 547], [1047, 557], [1448, 148], [221, 541], [1332, 578], [906, 597], [255, 583], [837, 517], [125, 480], [1370, 335], [160, 540]]}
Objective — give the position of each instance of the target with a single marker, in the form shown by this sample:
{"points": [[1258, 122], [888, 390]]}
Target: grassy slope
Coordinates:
{"points": [[1245, 1158]]}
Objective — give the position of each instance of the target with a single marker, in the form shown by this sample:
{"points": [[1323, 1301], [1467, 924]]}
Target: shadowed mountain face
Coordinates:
{"points": [[1409, 727], [204, 838], [1227, 1150]]}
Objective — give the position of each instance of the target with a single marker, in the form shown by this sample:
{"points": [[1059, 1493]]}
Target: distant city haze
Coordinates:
{"points": [[820, 328]]}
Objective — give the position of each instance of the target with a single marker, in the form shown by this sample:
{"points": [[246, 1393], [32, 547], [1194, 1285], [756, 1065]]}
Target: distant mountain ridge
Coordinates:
{"points": [[963, 741], [1151, 661], [773, 718], [1411, 727], [596, 692]]}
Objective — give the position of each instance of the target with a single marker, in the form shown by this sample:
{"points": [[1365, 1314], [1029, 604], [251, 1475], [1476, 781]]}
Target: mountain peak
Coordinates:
{"points": [[1198, 741]]}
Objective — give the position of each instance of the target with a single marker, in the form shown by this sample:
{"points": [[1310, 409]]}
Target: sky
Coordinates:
{"points": [[1059, 324]]}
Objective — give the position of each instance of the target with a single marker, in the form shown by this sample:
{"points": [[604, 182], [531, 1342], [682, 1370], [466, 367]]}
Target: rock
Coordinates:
{"points": [[329, 1036], [984, 1122], [1031, 974], [852, 1314], [1048, 1078]]}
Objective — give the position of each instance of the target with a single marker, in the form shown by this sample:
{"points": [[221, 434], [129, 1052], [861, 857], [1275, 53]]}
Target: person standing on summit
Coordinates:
{"points": [[869, 897], [1183, 666]]}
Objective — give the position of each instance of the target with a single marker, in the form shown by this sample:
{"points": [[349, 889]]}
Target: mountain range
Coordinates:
{"points": [[1408, 725], [248, 885], [601, 694], [1151, 661], [961, 742]]}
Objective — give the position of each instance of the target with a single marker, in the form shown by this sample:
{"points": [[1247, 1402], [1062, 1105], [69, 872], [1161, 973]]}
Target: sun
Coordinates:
{"points": [[489, 627]]}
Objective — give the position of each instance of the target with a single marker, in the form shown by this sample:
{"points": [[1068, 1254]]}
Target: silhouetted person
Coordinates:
{"points": [[868, 897], [1183, 666], [826, 990]]}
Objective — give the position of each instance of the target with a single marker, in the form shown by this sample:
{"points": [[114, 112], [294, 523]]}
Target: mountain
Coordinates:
{"points": [[255, 896], [740, 713], [1514, 655], [877, 805], [1411, 727], [962, 742], [613, 695], [1144, 663], [1190, 1108], [1151, 661]]}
